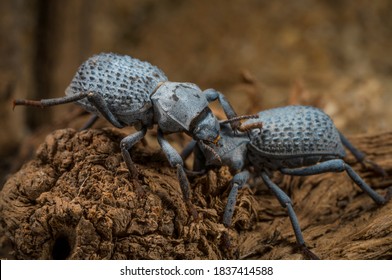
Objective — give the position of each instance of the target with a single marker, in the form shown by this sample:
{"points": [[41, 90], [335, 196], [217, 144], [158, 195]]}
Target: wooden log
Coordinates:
{"points": [[338, 220], [75, 200]]}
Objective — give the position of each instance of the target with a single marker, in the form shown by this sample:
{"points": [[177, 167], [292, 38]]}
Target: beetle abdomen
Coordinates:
{"points": [[292, 131], [124, 82]]}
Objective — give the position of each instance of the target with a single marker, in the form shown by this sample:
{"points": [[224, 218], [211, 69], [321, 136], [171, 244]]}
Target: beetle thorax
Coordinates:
{"points": [[176, 105]]}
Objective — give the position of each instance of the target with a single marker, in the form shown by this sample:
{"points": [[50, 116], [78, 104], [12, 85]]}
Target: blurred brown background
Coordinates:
{"points": [[332, 54]]}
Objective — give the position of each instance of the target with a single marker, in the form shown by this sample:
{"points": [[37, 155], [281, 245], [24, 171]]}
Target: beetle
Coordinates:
{"points": [[294, 140], [129, 92]]}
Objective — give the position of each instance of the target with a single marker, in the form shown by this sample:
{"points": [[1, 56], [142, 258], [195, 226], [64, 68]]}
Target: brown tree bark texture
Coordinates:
{"points": [[75, 200]]}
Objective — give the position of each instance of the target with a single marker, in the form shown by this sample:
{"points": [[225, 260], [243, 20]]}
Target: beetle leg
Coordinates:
{"points": [[187, 151], [232, 118], [100, 104], [237, 183], [337, 165], [90, 122], [212, 95], [175, 160], [285, 201], [199, 160], [95, 99], [361, 157], [126, 144]]}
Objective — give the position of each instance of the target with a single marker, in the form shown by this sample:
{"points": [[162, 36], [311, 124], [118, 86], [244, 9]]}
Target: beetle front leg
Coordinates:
{"points": [[199, 160], [237, 183], [187, 151], [285, 201], [232, 118], [126, 144], [212, 95], [175, 160]]}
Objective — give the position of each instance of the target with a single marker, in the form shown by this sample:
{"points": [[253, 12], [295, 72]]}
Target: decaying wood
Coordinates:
{"points": [[338, 220], [75, 200]]}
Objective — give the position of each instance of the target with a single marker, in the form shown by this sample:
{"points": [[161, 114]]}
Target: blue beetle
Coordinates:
{"points": [[294, 140]]}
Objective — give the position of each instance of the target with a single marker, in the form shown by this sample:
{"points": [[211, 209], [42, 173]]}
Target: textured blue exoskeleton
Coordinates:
{"points": [[295, 140], [129, 92]]}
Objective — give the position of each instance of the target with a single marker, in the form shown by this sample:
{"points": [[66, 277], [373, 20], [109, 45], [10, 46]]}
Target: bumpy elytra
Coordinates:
{"points": [[129, 92], [295, 140], [294, 136], [125, 83]]}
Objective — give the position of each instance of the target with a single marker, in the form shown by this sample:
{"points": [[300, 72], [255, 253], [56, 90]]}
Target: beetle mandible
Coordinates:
{"points": [[295, 140], [129, 92]]}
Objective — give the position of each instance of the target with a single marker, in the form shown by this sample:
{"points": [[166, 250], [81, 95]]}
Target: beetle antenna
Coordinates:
{"points": [[239, 118], [244, 127]]}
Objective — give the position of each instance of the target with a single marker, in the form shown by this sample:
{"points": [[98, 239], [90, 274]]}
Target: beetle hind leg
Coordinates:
{"points": [[95, 99], [285, 201], [90, 122], [361, 157], [49, 102], [337, 165]]}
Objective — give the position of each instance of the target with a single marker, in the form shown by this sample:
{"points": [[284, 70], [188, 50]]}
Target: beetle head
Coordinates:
{"points": [[205, 127], [230, 150]]}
